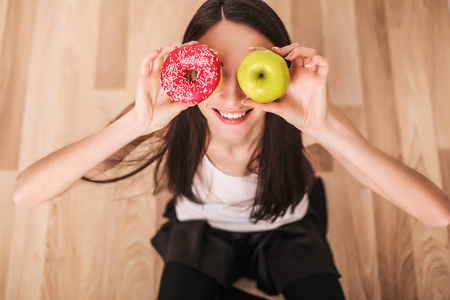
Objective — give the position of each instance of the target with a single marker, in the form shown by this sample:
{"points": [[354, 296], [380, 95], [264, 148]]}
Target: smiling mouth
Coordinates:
{"points": [[231, 116]]}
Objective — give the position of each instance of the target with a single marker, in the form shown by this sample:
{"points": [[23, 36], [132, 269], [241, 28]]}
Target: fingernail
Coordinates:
{"points": [[251, 48], [243, 102], [158, 49], [289, 56], [275, 48], [310, 63]]}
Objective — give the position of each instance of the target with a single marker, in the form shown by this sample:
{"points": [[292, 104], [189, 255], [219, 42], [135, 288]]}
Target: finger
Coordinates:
{"points": [[256, 48], [320, 65], [271, 107], [307, 53], [283, 51], [300, 56], [307, 60], [147, 61], [174, 46], [294, 53], [262, 48], [158, 62], [176, 108], [189, 44]]}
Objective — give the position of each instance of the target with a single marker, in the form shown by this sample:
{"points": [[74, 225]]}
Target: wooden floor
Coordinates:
{"points": [[68, 67]]}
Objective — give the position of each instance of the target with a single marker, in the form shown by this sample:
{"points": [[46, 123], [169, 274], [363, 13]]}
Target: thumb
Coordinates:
{"points": [[178, 107], [271, 107]]}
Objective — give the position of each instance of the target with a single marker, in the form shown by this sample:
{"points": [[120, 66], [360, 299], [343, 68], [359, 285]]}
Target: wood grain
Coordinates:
{"points": [[411, 24], [112, 45], [69, 67], [15, 52]]}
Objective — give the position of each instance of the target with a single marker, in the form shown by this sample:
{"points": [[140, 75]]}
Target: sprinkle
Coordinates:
{"points": [[178, 63]]}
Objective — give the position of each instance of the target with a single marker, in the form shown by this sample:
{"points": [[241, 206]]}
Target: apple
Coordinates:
{"points": [[263, 75]]}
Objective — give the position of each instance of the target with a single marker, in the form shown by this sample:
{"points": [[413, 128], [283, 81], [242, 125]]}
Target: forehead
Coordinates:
{"points": [[231, 40]]}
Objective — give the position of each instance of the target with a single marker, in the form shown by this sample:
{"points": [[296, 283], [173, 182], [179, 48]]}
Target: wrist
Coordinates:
{"points": [[136, 123], [322, 129], [335, 129]]}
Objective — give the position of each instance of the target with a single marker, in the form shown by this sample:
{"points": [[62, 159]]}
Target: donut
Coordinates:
{"points": [[191, 74]]}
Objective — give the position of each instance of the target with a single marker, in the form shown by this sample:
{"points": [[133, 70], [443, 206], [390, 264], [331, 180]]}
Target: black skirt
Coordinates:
{"points": [[274, 258]]}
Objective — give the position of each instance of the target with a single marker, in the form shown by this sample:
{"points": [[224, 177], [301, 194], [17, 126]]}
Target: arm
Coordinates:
{"points": [[347, 164], [306, 107], [398, 183], [62, 170]]}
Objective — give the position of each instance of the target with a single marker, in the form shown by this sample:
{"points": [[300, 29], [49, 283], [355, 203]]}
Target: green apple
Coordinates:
{"points": [[263, 75]]}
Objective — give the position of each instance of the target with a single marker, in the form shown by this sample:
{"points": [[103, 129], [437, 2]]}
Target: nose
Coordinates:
{"points": [[231, 92]]}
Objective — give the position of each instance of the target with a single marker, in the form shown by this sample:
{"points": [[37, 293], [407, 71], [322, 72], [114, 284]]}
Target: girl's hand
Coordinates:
{"points": [[153, 108], [305, 103]]}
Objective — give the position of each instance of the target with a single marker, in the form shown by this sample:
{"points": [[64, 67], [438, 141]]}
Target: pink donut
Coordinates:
{"points": [[191, 74]]}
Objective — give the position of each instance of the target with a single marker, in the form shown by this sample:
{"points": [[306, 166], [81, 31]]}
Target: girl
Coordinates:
{"points": [[246, 201]]}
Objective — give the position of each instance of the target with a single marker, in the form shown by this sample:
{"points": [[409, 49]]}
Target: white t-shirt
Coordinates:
{"points": [[227, 201]]}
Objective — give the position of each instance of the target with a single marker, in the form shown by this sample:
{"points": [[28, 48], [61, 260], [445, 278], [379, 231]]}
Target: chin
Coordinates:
{"points": [[233, 134]]}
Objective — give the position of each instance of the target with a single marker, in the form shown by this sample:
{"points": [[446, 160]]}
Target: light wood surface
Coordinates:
{"points": [[68, 67]]}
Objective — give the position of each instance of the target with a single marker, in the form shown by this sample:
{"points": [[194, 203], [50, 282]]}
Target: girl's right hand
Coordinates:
{"points": [[153, 108]]}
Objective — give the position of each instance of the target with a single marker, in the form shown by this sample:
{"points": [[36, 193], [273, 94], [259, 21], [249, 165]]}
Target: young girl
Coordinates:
{"points": [[246, 201]]}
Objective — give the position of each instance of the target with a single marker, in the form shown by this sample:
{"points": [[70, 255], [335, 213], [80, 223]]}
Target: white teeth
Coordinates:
{"points": [[232, 116]]}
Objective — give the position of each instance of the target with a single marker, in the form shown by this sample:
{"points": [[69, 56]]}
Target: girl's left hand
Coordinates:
{"points": [[305, 103]]}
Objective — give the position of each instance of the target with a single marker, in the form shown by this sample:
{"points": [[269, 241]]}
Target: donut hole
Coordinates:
{"points": [[192, 75]]}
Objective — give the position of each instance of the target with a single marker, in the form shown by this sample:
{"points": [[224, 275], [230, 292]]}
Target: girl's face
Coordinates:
{"points": [[222, 110]]}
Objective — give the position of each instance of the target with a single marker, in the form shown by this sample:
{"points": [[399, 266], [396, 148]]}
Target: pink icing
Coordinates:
{"points": [[174, 79]]}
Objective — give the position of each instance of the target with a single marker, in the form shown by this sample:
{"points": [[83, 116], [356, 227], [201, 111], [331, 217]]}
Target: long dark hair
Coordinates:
{"points": [[284, 173]]}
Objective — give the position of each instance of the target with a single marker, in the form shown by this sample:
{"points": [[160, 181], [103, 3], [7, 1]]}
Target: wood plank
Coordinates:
{"points": [[6, 226], [283, 8], [352, 236], [379, 104], [440, 62], [30, 224], [448, 5], [133, 220], [15, 50], [116, 257], [75, 105], [106, 106], [341, 49], [42, 99], [28, 248], [63, 89], [394, 250], [444, 158], [411, 23], [412, 81], [148, 32], [320, 158], [112, 44], [307, 31], [383, 132], [3, 18], [389, 72], [352, 226], [307, 25]]}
